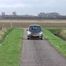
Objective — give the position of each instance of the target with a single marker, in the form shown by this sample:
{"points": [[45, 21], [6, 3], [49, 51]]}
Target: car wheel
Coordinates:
{"points": [[28, 38], [41, 38]]}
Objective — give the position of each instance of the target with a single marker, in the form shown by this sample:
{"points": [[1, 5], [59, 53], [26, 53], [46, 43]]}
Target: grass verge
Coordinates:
{"points": [[57, 42], [5, 34], [10, 48]]}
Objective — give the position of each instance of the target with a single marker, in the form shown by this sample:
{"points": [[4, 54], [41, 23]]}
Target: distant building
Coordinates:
{"points": [[42, 15], [14, 13], [53, 14], [3, 13], [49, 15]]}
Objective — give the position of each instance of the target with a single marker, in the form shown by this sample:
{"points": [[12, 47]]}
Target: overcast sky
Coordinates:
{"points": [[32, 6]]}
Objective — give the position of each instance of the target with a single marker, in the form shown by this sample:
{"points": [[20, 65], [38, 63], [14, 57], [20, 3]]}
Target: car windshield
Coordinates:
{"points": [[35, 29]]}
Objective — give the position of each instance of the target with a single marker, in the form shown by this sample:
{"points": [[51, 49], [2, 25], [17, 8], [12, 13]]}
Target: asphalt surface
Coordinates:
{"points": [[40, 53]]}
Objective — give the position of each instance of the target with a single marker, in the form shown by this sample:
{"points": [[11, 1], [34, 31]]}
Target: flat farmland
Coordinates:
{"points": [[25, 23]]}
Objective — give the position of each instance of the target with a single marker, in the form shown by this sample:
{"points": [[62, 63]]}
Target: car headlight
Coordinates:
{"points": [[41, 33], [29, 32]]}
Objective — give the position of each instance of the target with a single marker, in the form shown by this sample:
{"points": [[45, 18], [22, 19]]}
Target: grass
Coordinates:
{"points": [[5, 34], [57, 42], [10, 49], [24, 23], [59, 32], [2, 33]]}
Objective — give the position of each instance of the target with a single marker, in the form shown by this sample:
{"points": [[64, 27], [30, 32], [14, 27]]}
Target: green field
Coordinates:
{"points": [[55, 41], [10, 48]]}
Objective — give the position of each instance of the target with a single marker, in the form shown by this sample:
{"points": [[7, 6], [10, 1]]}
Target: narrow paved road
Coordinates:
{"points": [[40, 53]]}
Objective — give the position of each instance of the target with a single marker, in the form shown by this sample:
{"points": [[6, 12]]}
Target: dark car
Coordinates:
{"points": [[34, 31]]}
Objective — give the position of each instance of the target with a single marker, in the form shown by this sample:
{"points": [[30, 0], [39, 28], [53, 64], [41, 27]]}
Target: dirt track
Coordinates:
{"points": [[40, 53]]}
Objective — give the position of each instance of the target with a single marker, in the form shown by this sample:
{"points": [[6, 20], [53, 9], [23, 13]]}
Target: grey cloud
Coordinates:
{"points": [[33, 6]]}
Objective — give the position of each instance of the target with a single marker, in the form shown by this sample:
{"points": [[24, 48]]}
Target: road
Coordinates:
{"points": [[40, 53]]}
